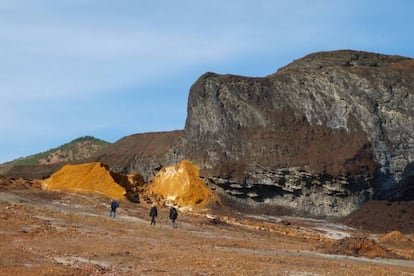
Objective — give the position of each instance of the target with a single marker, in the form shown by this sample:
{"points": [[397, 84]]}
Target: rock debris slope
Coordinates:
{"points": [[180, 185], [321, 136]]}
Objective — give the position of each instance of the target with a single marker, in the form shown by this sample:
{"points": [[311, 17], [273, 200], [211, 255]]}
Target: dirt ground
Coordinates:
{"points": [[383, 216], [54, 233]]}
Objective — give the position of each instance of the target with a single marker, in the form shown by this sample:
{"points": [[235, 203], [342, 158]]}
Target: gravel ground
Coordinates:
{"points": [[52, 233]]}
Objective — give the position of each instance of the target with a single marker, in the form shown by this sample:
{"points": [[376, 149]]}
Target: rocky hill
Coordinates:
{"points": [[144, 153], [43, 164], [322, 135]]}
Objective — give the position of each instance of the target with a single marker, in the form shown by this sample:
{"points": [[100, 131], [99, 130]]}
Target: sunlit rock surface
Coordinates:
{"points": [[321, 136]]}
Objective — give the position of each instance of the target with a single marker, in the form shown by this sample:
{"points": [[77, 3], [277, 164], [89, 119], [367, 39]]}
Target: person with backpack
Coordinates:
{"points": [[114, 206], [173, 216], [153, 214]]}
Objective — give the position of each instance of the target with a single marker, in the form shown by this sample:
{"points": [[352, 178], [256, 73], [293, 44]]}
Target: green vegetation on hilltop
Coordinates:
{"points": [[76, 149]]}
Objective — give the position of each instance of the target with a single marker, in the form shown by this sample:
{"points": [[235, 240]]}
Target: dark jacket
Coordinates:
{"points": [[114, 205], [153, 211], [173, 213]]}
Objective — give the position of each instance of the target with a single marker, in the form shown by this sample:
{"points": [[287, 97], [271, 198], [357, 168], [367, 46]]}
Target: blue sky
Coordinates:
{"points": [[70, 68]]}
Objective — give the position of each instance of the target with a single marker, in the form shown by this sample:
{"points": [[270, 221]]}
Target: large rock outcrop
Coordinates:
{"points": [[322, 135]]}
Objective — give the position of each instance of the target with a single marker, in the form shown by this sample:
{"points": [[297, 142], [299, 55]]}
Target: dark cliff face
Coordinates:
{"points": [[322, 135]]}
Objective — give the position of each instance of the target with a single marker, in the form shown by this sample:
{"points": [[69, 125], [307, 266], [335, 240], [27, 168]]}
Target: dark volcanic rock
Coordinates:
{"points": [[143, 153], [322, 135]]}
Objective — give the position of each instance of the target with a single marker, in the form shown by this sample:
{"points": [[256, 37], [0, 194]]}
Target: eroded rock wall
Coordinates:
{"points": [[322, 135]]}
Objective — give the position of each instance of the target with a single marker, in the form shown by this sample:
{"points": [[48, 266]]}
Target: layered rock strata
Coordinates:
{"points": [[322, 135]]}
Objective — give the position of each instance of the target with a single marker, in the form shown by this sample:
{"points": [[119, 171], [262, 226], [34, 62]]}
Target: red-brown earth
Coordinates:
{"points": [[57, 233]]}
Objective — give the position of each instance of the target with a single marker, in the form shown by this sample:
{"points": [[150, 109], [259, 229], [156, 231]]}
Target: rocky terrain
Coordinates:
{"points": [[59, 233], [320, 136], [329, 136]]}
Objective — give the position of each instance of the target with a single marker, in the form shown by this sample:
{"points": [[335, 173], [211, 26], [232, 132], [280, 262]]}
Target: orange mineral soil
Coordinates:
{"points": [[181, 185], [87, 178]]}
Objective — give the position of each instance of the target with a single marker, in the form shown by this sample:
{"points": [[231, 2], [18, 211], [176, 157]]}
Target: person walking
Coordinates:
{"points": [[153, 214], [173, 216], [114, 206]]}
